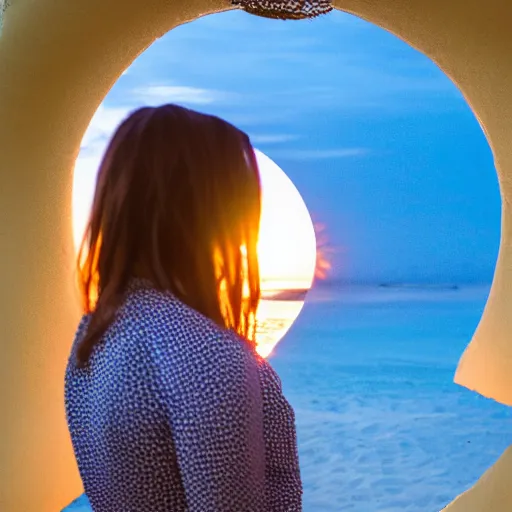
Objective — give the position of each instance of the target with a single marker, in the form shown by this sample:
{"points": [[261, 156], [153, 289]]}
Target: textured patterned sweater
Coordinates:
{"points": [[174, 414]]}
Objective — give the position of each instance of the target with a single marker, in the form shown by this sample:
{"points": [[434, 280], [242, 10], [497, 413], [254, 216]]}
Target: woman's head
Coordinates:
{"points": [[177, 201]]}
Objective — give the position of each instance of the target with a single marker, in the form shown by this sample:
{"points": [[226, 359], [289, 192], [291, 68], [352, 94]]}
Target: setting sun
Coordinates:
{"points": [[287, 245]]}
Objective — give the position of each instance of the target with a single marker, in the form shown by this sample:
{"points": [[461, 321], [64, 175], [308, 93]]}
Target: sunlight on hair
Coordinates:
{"points": [[287, 249]]}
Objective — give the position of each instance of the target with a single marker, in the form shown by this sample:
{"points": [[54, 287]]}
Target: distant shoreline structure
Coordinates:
{"points": [[428, 286], [285, 295], [424, 285]]}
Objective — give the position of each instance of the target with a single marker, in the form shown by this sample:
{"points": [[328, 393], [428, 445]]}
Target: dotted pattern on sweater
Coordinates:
{"points": [[174, 414]]}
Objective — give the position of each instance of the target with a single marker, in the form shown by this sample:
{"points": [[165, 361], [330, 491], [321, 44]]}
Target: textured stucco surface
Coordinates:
{"points": [[58, 59]]}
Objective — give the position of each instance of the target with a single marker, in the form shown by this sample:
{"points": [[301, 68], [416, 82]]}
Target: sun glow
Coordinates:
{"points": [[287, 248], [286, 252], [287, 243], [323, 252]]}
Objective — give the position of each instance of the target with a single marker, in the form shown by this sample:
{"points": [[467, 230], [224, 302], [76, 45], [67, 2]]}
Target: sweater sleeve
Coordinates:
{"points": [[284, 485], [211, 393]]}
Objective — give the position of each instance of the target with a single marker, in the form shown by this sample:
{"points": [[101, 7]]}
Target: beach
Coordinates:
{"points": [[381, 425]]}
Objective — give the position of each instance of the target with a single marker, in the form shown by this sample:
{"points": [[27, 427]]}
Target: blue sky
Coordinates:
{"points": [[380, 143]]}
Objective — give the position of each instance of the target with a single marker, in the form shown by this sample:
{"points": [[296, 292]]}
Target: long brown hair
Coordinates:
{"points": [[177, 201]]}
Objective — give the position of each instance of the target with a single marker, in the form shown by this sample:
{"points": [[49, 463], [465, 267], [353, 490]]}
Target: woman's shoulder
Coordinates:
{"points": [[174, 327], [82, 327], [277, 408], [268, 376]]}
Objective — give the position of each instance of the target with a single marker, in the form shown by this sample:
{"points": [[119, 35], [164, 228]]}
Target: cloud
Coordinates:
{"points": [[102, 125], [158, 94], [107, 118], [257, 116], [319, 154], [273, 138]]}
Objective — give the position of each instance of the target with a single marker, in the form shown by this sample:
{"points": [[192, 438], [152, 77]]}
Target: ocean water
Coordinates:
{"points": [[381, 425]]}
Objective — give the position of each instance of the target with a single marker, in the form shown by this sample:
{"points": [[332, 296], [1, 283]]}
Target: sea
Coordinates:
{"points": [[369, 371]]}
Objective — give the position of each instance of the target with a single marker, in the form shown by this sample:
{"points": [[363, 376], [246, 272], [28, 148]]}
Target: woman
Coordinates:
{"points": [[169, 407]]}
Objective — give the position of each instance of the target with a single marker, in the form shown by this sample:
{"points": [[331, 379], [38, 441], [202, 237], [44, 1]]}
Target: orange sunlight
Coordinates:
{"points": [[323, 251]]}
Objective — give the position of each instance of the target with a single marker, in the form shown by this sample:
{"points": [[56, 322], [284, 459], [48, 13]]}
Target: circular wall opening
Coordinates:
{"points": [[396, 192]]}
